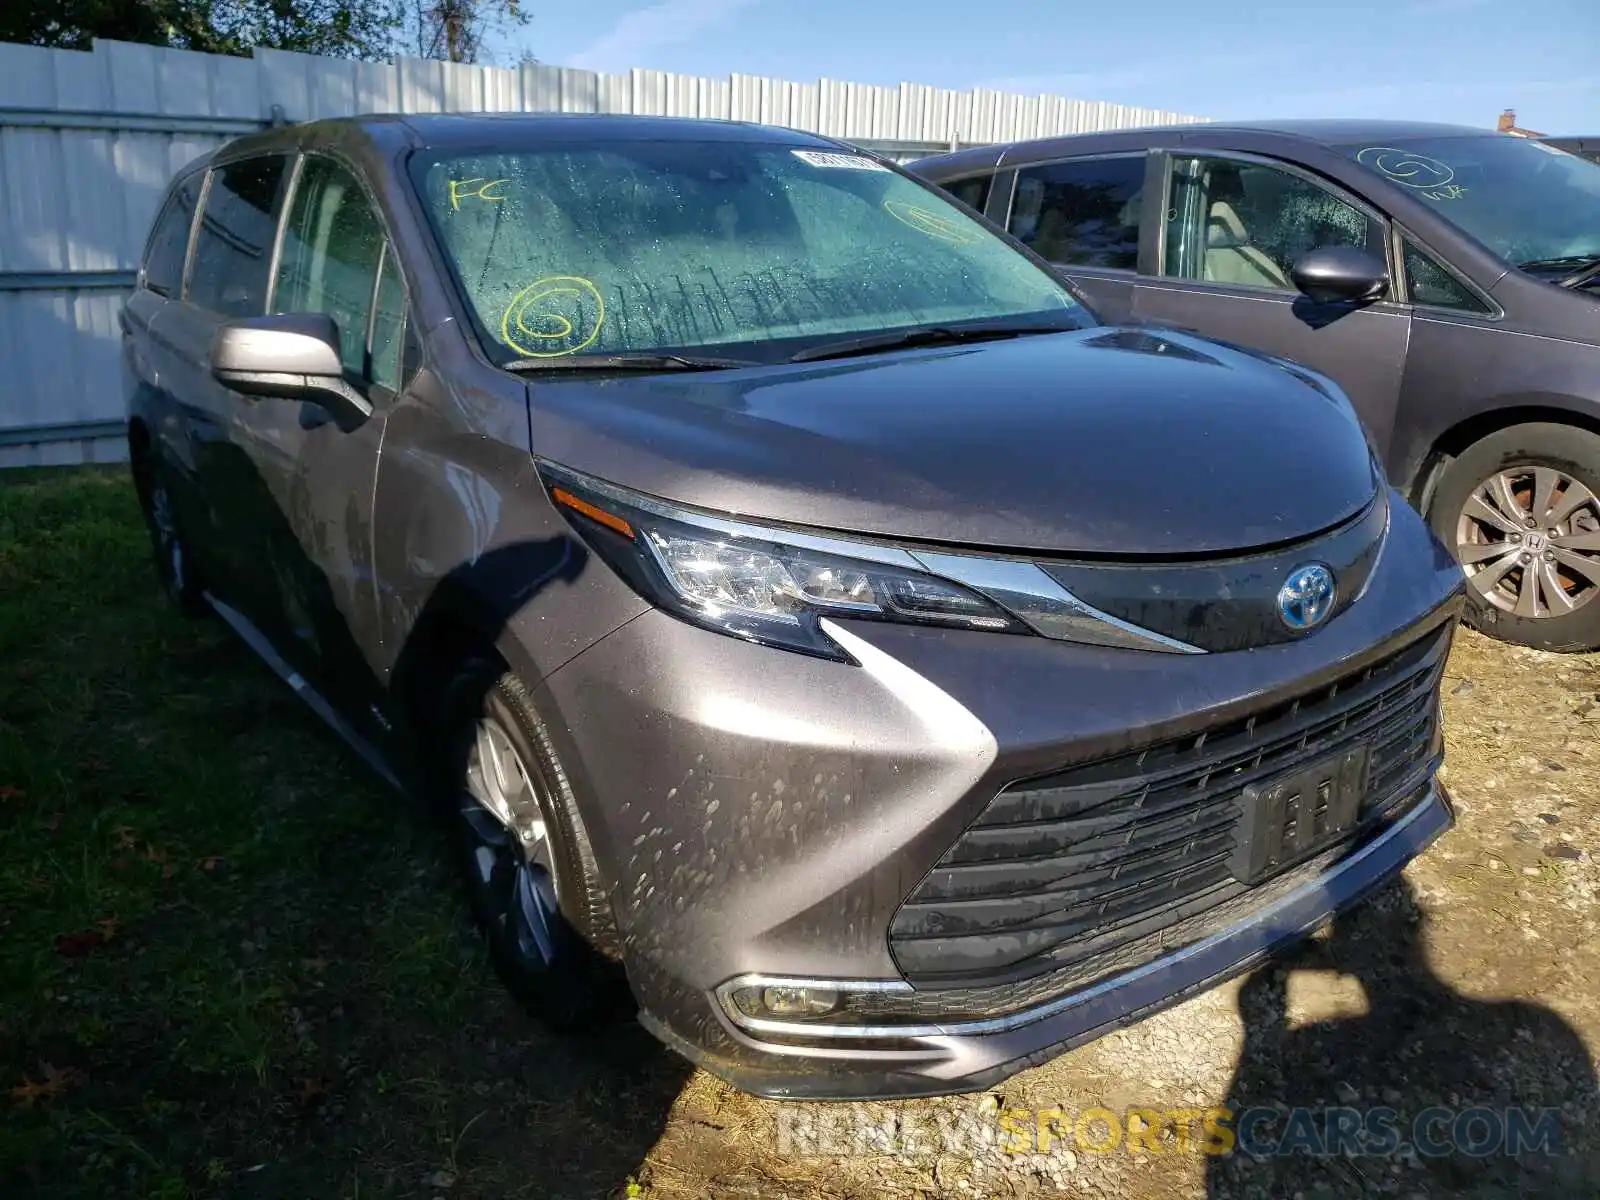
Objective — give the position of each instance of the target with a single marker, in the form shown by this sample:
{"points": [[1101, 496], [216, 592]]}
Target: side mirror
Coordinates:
{"points": [[1340, 275], [290, 357]]}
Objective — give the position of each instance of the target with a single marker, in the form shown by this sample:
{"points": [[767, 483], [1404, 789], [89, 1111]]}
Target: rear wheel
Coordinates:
{"points": [[175, 565], [528, 868], [1521, 512]]}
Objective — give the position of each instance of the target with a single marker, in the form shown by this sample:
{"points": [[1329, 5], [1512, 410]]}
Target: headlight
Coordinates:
{"points": [[775, 586], [758, 587]]}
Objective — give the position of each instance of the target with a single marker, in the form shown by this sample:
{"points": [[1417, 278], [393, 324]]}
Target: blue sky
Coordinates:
{"points": [[1447, 60]]}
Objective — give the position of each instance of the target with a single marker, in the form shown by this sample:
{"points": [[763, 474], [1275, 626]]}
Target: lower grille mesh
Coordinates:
{"points": [[1096, 862]]}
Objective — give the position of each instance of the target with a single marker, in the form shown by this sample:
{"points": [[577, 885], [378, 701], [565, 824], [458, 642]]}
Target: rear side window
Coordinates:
{"points": [[974, 193], [1085, 212], [169, 240], [331, 249], [233, 248]]}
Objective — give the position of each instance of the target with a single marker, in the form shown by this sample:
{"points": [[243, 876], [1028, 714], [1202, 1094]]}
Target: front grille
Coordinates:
{"points": [[1097, 868]]}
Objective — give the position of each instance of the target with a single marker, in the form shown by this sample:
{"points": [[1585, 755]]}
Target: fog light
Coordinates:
{"points": [[785, 1001]]}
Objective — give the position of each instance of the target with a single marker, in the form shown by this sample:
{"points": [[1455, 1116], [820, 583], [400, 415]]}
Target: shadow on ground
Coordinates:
{"points": [[1493, 1096]]}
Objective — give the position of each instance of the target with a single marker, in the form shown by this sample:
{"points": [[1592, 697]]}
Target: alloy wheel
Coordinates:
{"points": [[1528, 539], [508, 841]]}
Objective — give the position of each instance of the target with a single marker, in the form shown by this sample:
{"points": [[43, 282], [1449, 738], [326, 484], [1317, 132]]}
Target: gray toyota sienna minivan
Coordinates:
{"points": [[816, 627]]}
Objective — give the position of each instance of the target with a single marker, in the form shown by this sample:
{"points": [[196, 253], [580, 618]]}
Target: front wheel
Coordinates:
{"points": [[524, 855], [174, 564], [1521, 512]]}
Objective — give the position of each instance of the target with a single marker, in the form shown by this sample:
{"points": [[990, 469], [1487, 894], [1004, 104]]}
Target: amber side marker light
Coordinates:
{"points": [[609, 520]]}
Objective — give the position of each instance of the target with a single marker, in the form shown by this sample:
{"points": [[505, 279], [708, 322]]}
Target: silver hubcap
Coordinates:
{"points": [[509, 844], [166, 526], [1529, 542]]}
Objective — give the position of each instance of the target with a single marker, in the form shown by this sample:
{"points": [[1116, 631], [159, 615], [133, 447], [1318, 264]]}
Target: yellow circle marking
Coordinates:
{"points": [[525, 307], [925, 220]]}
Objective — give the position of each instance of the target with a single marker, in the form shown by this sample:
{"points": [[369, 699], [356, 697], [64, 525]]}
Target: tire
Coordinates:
{"points": [[174, 563], [1532, 584], [559, 962]]}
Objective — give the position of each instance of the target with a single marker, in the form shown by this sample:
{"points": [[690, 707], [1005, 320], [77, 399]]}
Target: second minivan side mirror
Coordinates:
{"points": [[1340, 275], [293, 356]]}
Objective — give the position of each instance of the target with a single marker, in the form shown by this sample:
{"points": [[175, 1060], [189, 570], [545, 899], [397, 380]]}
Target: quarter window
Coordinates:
{"points": [[1248, 224], [1084, 212], [234, 245], [1432, 285], [331, 250], [169, 241]]}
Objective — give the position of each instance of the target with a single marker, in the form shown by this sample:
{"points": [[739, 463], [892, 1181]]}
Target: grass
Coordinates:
{"points": [[231, 962]]}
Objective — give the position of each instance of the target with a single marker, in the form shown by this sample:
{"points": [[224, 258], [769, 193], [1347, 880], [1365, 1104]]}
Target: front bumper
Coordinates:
{"points": [[761, 813], [970, 1056]]}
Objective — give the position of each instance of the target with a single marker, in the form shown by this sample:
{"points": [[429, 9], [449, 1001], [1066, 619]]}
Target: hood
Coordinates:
{"points": [[1101, 441]]}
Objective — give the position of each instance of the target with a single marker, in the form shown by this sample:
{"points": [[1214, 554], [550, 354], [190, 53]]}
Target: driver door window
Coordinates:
{"points": [[1247, 224], [332, 246]]}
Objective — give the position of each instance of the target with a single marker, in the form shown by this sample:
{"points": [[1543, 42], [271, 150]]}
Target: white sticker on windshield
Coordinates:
{"points": [[843, 162]]}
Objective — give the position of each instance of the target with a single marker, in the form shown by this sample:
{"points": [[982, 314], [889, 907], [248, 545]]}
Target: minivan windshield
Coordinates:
{"points": [[753, 250], [1534, 205]]}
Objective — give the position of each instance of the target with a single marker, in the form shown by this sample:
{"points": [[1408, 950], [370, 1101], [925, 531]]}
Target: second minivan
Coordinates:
{"points": [[1448, 278]]}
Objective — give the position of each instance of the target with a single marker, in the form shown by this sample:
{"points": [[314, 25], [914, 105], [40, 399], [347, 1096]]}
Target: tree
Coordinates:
{"points": [[454, 30], [341, 28], [344, 28]]}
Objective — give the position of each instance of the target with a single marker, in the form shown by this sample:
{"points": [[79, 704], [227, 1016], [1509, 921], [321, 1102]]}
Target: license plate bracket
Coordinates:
{"points": [[1292, 816]]}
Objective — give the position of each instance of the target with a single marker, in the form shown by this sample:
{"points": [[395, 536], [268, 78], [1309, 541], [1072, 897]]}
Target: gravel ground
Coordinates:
{"points": [[1471, 983]]}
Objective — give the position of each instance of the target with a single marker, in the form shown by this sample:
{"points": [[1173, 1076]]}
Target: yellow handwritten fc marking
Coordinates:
{"points": [[463, 189]]}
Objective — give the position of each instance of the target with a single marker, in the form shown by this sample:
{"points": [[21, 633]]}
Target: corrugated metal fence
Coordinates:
{"points": [[88, 141]]}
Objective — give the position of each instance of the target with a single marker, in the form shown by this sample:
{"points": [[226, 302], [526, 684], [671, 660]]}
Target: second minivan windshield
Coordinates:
{"points": [[1531, 204], [621, 248]]}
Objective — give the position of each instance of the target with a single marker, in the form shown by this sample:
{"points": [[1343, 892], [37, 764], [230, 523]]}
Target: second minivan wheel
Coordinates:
{"points": [[1521, 512], [524, 856]]}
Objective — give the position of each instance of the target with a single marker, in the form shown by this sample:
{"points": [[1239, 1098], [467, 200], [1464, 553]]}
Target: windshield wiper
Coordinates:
{"points": [[629, 362], [925, 335], [1574, 268]]}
